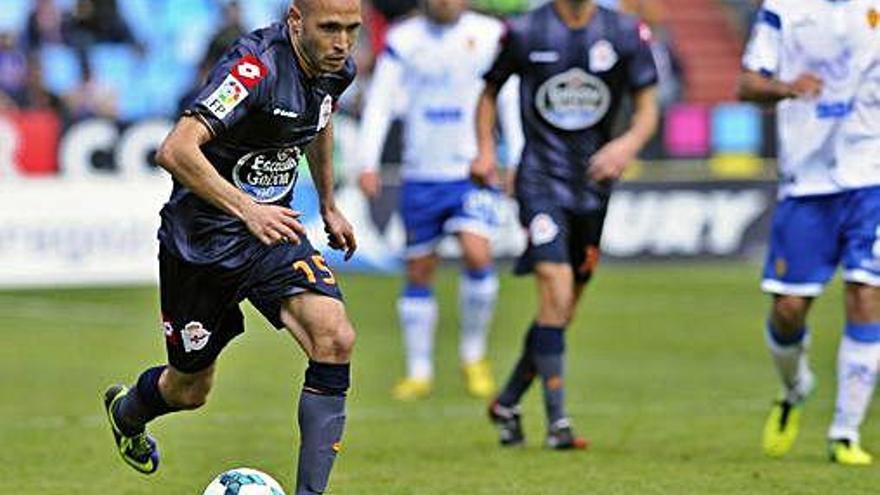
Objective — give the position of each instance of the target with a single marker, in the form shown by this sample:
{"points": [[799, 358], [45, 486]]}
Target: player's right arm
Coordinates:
{"points": [[181, 156], [483, 168], [386, 88], [759, 81]]}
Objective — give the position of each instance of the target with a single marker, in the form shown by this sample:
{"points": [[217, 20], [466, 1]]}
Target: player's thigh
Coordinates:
{"points": [[200, 313], [321, 326], [287, 276], [424, 210], [804, 249]]}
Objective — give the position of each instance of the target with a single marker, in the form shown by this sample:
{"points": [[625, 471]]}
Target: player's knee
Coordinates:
{"points": [[557, 310], [420, 273], [789, 313], [343, 342], [862, 303], [336, 342]]}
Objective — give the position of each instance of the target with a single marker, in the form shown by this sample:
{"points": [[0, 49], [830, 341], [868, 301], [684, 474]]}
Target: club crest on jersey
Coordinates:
{"points": [[267, 175], [326, 112], [226, 97], [542, 229], [194, 336], [873, 17], [573, 100], [602, 56]]}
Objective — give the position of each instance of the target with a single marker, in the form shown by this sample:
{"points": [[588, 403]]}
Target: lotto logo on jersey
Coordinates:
{"points": [[249, 71], [226, 97]]}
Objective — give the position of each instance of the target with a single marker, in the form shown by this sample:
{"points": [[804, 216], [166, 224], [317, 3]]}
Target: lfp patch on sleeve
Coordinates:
{"points": [[244, 75], [226, 97]]}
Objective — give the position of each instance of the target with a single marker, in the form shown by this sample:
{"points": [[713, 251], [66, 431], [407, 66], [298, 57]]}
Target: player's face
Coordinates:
{"points": [[445, 11], [327, 31]]}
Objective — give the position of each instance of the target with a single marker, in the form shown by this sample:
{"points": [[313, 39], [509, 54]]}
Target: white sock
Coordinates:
{"points": [[477, 293], [418, 320], [857, 364], [792, 365]]}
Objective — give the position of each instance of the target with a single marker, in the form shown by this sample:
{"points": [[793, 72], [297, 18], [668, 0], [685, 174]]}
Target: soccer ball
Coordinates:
{"points": [[243, 481]]}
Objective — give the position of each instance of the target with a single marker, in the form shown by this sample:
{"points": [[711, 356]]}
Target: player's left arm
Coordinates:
{"points": [[611, 160], [339, 231]]}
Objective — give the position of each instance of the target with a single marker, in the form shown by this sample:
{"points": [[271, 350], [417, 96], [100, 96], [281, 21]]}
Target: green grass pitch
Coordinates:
{"points": [[667, 374]]}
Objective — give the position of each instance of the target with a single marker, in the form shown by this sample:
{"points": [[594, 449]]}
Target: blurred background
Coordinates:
{"points": [[88, 88], [670, 376]]}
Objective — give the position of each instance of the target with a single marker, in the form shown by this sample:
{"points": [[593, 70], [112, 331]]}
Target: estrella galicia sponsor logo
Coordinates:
{"points": [[267, 175], [194, 336], [573, 100]]}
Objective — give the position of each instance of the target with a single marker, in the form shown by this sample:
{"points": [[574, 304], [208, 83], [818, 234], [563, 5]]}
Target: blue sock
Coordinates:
{"points": [[522, 376], [142, 404], [548, 345], [321, 421]]}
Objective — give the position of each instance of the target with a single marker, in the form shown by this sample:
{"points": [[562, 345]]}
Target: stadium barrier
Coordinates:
{"points": [[90, 216]]}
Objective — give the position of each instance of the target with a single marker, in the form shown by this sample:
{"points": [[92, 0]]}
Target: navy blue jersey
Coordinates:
{"points": [[572, 83], [262, 111]]}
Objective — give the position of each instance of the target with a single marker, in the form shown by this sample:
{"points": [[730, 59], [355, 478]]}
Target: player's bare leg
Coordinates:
{"points": [[159, 391], [417, 313], [321, 327], [788, 340], [857, 363], [477, 295]]}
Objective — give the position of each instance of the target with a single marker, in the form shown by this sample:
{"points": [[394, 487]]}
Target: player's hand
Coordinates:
{"points": [[807, 85], [273, 224], [483, 170], [609, 163], [340, 234], [370, 183]]}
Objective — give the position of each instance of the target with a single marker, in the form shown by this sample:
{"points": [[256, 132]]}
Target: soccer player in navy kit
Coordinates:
{"points": [[576, 61], [228, 234]]}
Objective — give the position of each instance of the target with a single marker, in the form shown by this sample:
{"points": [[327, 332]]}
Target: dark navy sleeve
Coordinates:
{"points": [[235, 85], [640, 63], [507, 61]]}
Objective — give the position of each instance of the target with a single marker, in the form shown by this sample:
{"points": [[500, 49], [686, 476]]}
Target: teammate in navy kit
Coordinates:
{"points": [[227, 233], [576, 61]]}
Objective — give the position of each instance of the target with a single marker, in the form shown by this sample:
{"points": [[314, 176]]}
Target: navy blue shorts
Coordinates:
{"points": [[559, 235], [200, 303]]}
